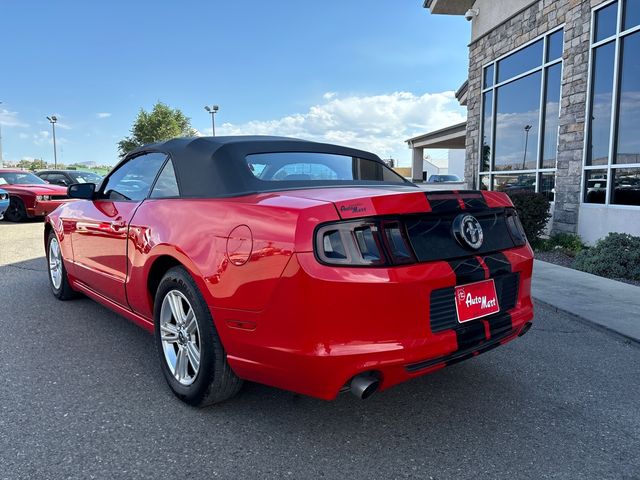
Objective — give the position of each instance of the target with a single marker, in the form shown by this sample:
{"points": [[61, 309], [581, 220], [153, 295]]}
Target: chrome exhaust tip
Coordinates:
{"points": [[525, 329], [364, 385]]}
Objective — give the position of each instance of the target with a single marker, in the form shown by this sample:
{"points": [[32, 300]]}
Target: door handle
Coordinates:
{"points": [[118, 225]]}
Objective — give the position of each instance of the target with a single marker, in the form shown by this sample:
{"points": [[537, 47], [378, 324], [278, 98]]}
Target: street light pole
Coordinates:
{"points": [[53, 119], [526, 144], [213, 109]]}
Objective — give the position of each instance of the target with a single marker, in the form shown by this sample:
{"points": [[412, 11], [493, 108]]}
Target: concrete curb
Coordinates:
{"points": [[607, 304]]}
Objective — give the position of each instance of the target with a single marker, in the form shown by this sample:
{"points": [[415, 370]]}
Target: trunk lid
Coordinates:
{"points": [[358, 202]]}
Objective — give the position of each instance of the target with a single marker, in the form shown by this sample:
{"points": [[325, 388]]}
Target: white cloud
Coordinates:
{"points": [[44, 137], [10, 119], [378, 123], [103, 115]]}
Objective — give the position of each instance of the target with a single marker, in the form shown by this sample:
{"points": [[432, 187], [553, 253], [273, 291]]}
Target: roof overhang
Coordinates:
{"points": [[448, 7], [453, 137], [461, 94]]}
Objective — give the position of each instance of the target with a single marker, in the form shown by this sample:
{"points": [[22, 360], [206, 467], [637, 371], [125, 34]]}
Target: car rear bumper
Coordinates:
{"points": [[325, 325], [43, 208]]}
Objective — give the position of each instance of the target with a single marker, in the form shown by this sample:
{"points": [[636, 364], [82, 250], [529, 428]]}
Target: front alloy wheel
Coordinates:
{"points": [[16, 211], [58, 280], [55, 263], [180, 337]]}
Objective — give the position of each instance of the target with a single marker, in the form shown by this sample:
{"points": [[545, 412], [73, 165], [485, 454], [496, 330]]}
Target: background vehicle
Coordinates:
{"points": [[29, 196], [443, 179], [305, 266], [4, 202], [67, 177]]}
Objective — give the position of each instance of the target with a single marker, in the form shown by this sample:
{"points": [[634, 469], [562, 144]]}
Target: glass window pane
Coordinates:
{"points": [[631, 14], [628, 147], [132, 180], [484, 182], [551, 116], [600, 126], [516, 131], [487, 120], [166, 185], [512, 183], [595, 186], [626, 186], [554, 45], [520, 62], [548, 185], [488, 76], [309, 167], [606, 22]]}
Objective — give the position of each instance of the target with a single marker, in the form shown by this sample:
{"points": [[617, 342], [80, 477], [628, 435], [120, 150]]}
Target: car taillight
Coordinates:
{"points": [[363, 243], [515, 228]]}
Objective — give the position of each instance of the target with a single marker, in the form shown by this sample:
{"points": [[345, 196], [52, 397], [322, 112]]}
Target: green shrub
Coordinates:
{"points": [[615, 256], [533, 210], [568, 243]]}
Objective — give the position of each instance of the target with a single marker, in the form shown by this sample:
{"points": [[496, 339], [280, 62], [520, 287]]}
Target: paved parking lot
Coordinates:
{"points": [[82, 397]]}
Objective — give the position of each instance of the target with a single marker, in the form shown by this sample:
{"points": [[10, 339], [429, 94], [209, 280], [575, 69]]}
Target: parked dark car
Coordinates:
{"points": [[68, 177], [443, 178]]}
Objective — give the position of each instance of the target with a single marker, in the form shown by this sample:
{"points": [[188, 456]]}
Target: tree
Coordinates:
{"points": [[162, 123], [33, 165]]}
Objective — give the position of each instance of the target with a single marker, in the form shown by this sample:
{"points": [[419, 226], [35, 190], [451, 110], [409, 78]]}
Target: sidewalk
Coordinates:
{"points": [[610, 304]]}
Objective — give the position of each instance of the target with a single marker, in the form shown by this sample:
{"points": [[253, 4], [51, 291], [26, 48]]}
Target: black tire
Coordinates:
{"points": [[214, 381], [64, 291], [16, 211]]}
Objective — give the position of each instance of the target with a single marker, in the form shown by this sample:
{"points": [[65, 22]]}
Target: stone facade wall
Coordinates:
{"points": [[525, 26]]}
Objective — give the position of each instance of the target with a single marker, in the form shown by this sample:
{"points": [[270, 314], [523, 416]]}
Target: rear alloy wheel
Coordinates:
{"points": [[16, 211], [192, 357], [180, 337], [57, 273]]}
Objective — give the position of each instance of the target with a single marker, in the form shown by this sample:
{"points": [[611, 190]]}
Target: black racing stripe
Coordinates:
{"points": [[470, 335], [473, 201], [458, 355], [499, 324], [497, 264], [442, 202], [467, 270], [455, 360]]}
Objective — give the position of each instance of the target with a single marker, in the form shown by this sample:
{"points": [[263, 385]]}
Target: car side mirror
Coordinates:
{"points": [[86, 191]]}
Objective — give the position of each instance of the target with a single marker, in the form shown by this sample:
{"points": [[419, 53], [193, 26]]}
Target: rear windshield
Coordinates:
{"points": [[319, 167]]}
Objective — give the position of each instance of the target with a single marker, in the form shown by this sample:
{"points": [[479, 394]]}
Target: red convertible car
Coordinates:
{"points": [[29, 195], [309, 267]]}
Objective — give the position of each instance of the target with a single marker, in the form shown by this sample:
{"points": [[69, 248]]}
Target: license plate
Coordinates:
{"points": [[476, 300]]}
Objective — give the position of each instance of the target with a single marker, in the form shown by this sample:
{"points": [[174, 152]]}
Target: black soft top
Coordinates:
{"points": [[216, 166]]}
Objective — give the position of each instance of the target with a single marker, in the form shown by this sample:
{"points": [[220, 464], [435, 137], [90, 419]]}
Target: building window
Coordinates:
{"points": [[520, 116], [612, 149]]}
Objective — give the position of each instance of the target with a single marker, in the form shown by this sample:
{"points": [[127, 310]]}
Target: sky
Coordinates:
{"points": [[367, 74]]}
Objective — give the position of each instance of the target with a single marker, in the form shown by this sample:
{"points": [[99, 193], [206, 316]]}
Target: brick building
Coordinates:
{"points": [[553, 102]]}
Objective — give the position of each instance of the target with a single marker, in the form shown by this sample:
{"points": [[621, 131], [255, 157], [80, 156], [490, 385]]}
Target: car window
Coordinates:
{"points": [[167, 184], [86, 177], [57, 178], [133, 179], [305, 171], [311, 166]]}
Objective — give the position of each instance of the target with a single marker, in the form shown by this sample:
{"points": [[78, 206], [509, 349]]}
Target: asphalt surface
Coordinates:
{"points": [[82, 396]]}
